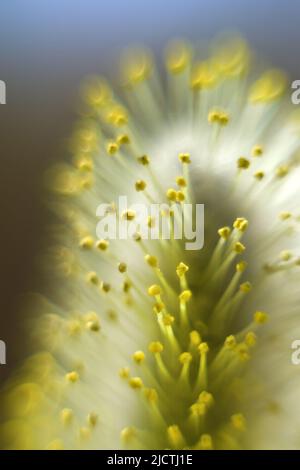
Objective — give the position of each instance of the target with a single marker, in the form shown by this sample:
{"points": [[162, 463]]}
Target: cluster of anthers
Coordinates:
{"points": [[145, 344]]}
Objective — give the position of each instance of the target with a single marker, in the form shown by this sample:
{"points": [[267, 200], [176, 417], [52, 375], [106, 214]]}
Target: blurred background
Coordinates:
{"points": [[46, 49]]}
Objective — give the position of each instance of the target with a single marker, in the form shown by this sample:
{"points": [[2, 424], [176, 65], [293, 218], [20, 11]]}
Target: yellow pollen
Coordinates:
{"points": [[154, 290], [259, 175], [230, 342], [92, 278], [155, 347], [198, 409], [257, 151], [136, 382], [151, 394], [175, 436], [282, 171], [66, 416], [112, 148], [241, 224], [203, 348], [92, 419], [224, 232], [181, 269], [195, 338], [124, 372], [105, 287], [168, 320], [243, 163], [181, 181], [122, 267], [93, 325], [127, 433], [185, 296], [245, 287], [86, 243], [143, 160], [102, 245], [250, 339], [72, 376], [238, 422], [185, 358], [243, 352], [184, 158], [206, 398], [152, 261], [241, 266], [138, 357], [126, 286], [171, 194], [123, 139], [260, 317], [285, 215], [128, 215], [180, 197], [140, 185], [177, 57], [286, 255], [206, 442], [158, 307], [239, 247]]}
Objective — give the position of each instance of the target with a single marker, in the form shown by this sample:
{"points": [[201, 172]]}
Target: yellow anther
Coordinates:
{"points": [[224, 232], [66, 416], [203, 348], [151, 395], [241, 266], [138, 357], [140, 185], [198, 409], [144, 160], [150, 221], [257, 151], [250, 339], [171, 194], [152, 261], [238, 421], [230, 342], [72, 376], [282, 171], [85, 164], [260, 317], [86, 243], [181, 269], [181, 181], [206, 442], [123, 139], [245, 287], [112, 148], [185, 358], [92, 278], [185, 296], [285, 215], [168, 319], [195, 338], [223, 118], [74, 327], [213, 116], [117, 116], [154, 290], [137, 237], [92, 419], [126, 286], [259, 175], [239, 247], [219, 117], [96, 92], [177, 57], [206, 398], [158, 307], [184, 158], [124, 372], [242, 350], [93, 325], [204, 75], [128, 215], [122, 267], [241, 224], [136, 382], [243, 163], [286, 255], [155, 347], [102, 245], [105, 286], [269, 87], [86, 183], [180, 197], [175, 437], [137, 66], [127, 433]]}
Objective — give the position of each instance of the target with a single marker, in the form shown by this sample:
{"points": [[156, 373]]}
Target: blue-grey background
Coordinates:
{"points": [[46, 48]]}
